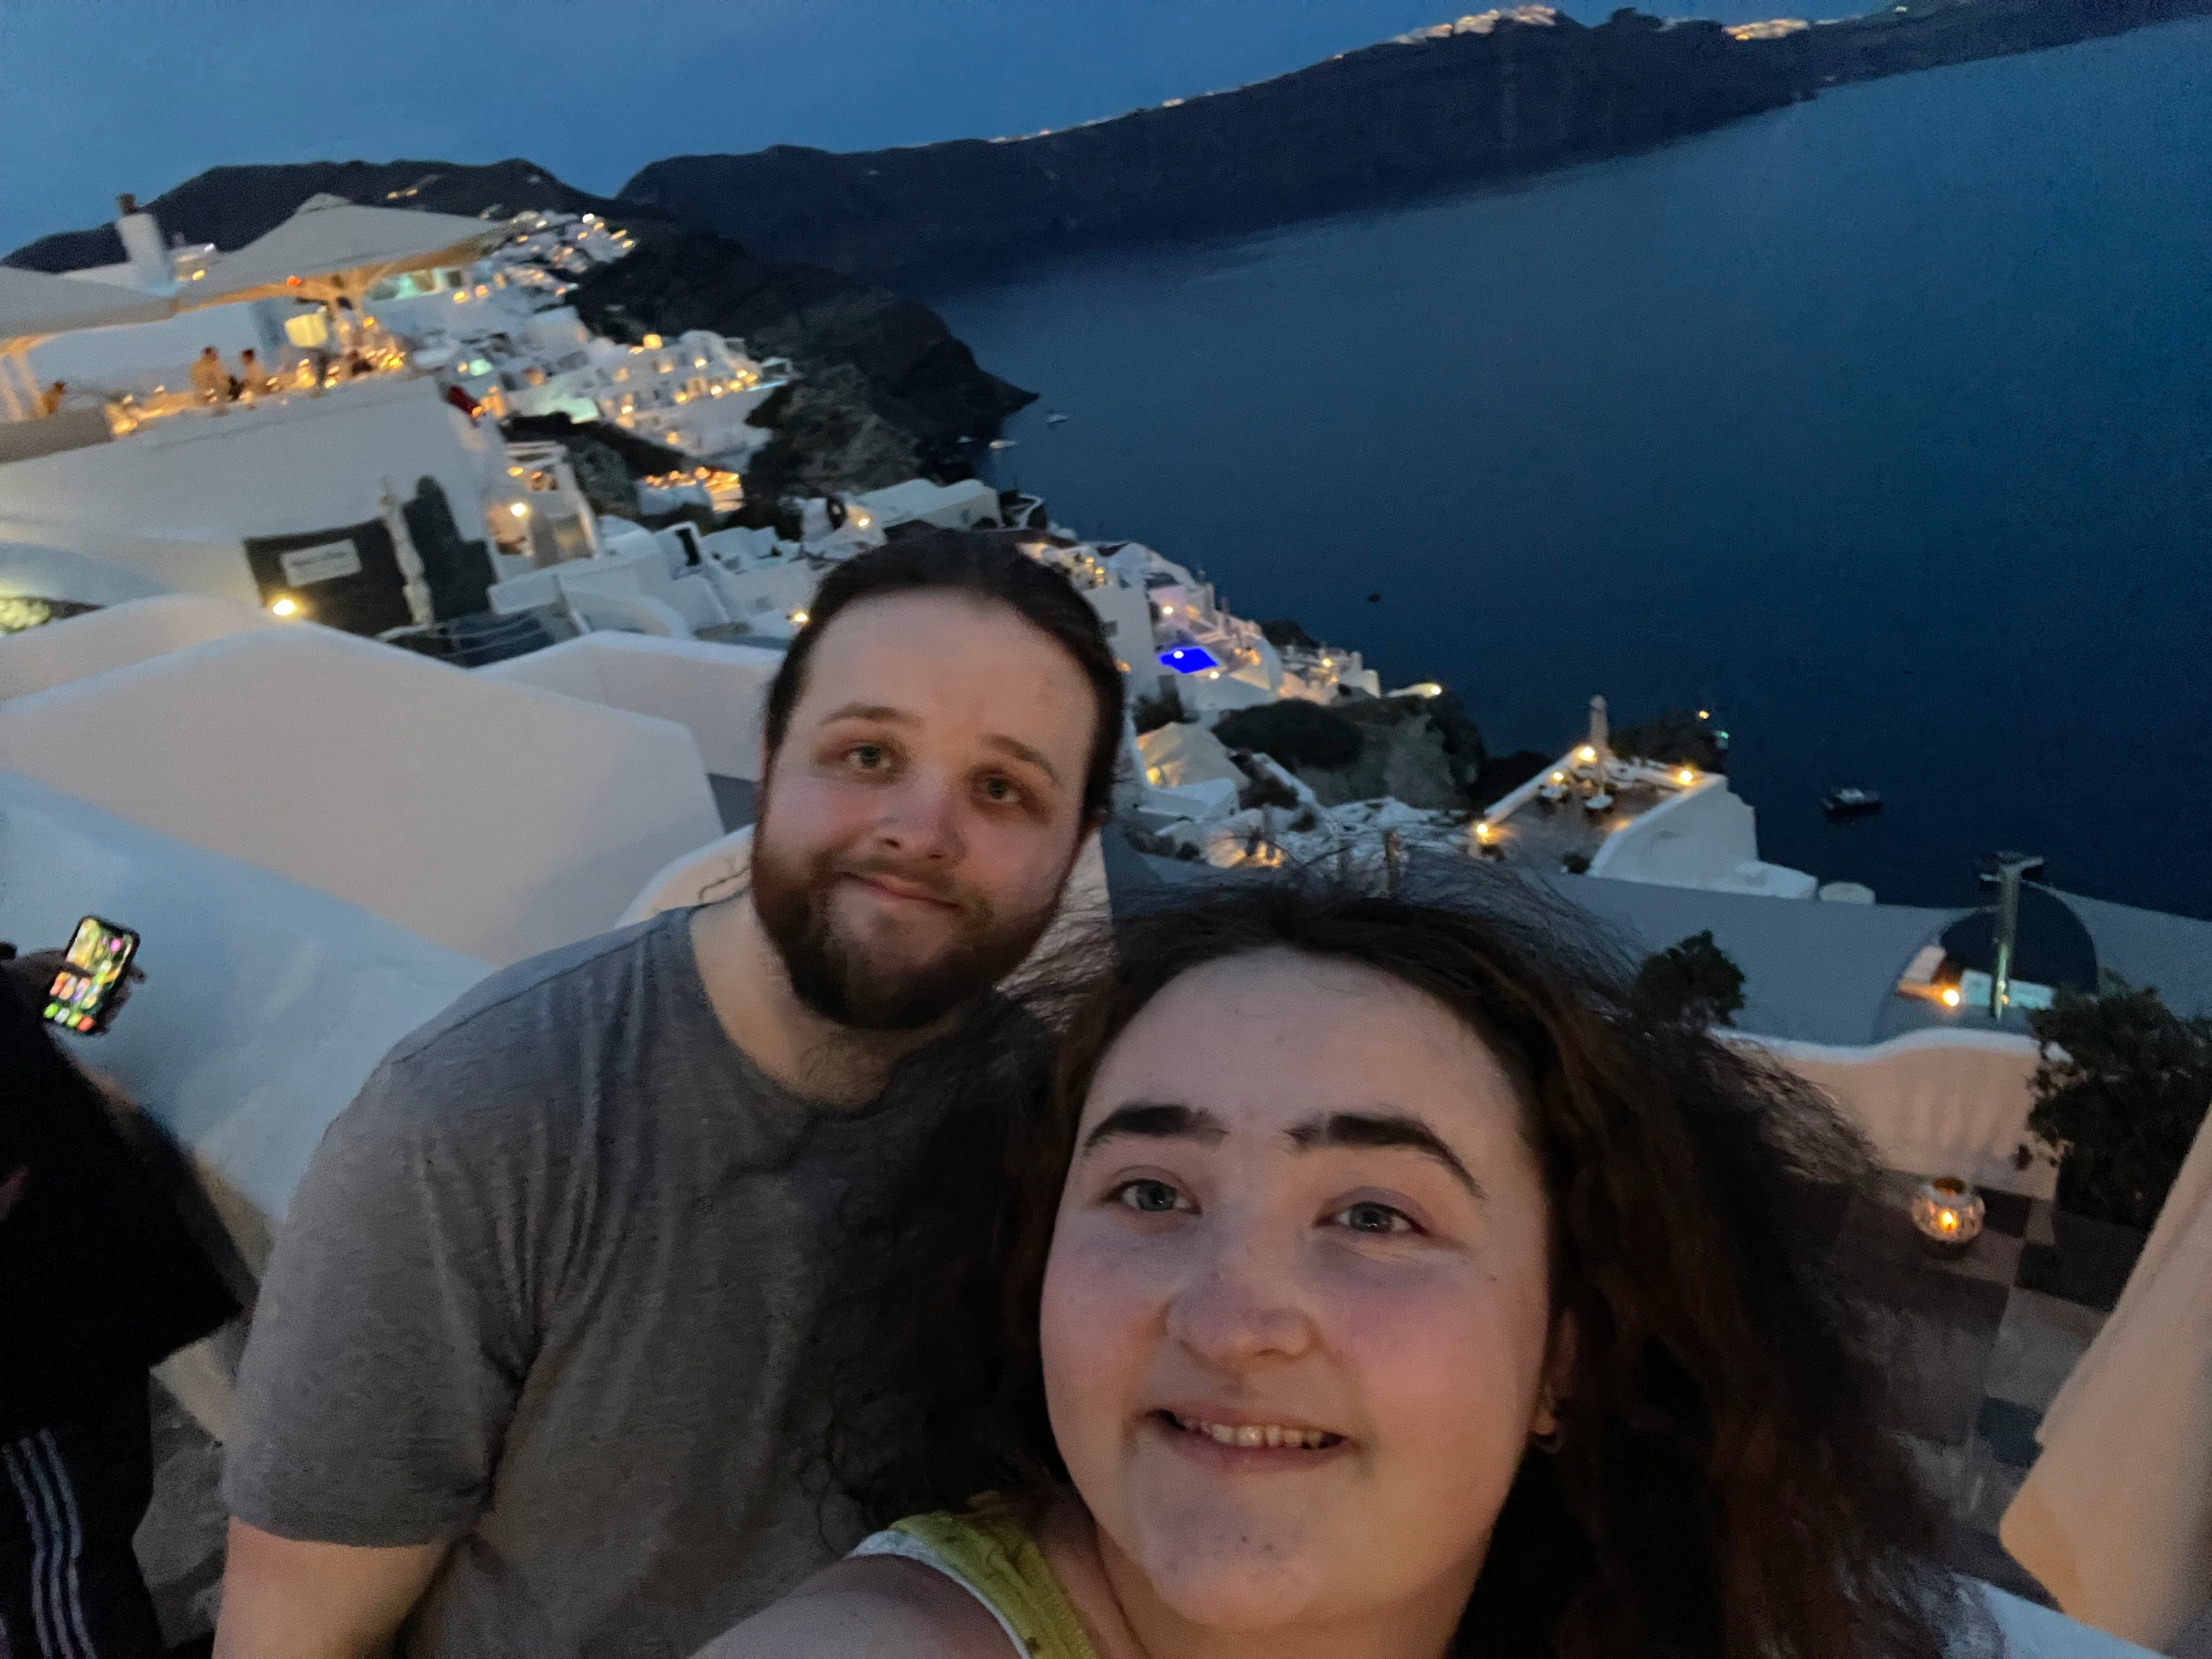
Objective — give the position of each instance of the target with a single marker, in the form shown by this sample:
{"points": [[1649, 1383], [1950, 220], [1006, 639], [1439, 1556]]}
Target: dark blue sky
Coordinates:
{"points": [[140, 94]]}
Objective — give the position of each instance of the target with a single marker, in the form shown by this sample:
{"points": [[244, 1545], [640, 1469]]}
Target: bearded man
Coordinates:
{"points": [[529, 1374]]}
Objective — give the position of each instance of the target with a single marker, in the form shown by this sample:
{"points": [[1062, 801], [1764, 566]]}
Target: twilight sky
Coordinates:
{"points": [[108, 96]]}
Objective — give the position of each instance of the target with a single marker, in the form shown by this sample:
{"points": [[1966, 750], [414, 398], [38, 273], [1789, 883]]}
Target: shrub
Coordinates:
{"points": [[1692, 982], [2121, 1090], [1295, 732], [1157, 708], [1675, 738]]}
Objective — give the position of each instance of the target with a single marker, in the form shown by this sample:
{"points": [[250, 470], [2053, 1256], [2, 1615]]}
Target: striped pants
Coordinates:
{"points": [[73, 1494]]}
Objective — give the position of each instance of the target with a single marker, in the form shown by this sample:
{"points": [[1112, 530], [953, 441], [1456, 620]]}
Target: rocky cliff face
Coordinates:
{"points": [[1491, 97], [917, 377], [913, 374]]}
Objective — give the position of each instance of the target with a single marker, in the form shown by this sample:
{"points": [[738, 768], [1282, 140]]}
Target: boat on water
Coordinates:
{"points": [[1852, 802]]}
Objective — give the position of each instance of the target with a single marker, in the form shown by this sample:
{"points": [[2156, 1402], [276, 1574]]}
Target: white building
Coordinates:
{"points": [[1598, 814], [236, 501]]}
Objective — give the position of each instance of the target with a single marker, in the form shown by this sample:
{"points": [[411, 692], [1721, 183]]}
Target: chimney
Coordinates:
{"points": [[150, 268]]}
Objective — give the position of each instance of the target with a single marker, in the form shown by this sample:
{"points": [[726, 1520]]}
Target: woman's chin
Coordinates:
{"points": [[1246, 1591]]}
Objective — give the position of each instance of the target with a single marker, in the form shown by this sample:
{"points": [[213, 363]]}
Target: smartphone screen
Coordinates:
{"points": [[98, 958]]}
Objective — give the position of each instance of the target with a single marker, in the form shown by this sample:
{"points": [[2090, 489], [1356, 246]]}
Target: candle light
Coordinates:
{"points": [[1949, 1214]]}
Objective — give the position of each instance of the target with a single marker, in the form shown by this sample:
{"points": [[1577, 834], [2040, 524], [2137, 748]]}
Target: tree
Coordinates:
{"points": [[1692, 982], [2122, 1091]]}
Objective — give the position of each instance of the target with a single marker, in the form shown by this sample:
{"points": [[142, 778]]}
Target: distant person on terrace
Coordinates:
{"points": [[531, 1371], [209, 377], [1379, 1285]]}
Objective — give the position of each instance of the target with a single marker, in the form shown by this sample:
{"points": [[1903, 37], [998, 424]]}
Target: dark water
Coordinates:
{"points": [[1882, 425]]}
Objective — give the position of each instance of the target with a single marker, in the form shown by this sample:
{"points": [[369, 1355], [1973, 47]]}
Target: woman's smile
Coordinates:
{"points": [[1239, 1443]]}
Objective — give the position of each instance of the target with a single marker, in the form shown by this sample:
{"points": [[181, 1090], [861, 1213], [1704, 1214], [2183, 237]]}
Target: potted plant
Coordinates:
{"points": [[2122, 1091]]}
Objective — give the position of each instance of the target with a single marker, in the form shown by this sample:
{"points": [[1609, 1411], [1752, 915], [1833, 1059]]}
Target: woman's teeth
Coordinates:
{"points": [[1258, 1434]]}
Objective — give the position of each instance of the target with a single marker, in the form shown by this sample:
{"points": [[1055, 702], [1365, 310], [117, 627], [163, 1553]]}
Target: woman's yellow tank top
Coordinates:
{"points": [[990, 1552]]}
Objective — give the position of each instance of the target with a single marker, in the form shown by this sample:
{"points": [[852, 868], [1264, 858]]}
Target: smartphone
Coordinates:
{"points": [[83, 992]]}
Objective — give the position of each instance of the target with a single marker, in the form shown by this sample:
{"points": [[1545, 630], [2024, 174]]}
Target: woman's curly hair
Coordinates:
{"points": [[1723, 1487]]}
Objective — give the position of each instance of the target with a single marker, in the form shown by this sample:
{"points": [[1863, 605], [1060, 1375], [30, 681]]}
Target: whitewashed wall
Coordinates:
{"points": [[495, 820], [265, 1003], [715, 692], [1938, 1102], [1693, 839], [116, 637]]}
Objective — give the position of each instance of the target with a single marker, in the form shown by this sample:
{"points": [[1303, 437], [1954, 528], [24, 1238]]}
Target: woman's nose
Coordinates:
{"points": [[1243, 1303]]}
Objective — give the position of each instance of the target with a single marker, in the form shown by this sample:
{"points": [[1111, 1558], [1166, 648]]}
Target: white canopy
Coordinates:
{"points": [[33, 305], [331, 246]]}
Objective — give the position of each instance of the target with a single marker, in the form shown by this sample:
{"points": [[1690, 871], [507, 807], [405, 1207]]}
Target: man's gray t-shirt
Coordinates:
{"points": [[547, 1291]]}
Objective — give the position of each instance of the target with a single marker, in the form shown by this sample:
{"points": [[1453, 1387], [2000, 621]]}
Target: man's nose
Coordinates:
{"points": [[920, 818], [1243, 1302]]}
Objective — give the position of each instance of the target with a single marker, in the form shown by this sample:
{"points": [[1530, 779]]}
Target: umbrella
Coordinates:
{"points": [[330, 247], [34, 306]]}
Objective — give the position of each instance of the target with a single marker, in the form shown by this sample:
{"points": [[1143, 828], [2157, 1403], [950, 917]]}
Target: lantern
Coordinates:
{"points": [[1949, 1214]]}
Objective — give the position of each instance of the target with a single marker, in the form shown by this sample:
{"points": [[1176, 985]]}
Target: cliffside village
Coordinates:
{"points": [[369, 621]]}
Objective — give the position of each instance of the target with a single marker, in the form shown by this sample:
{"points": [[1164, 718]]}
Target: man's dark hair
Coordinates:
{"points": [[989, 565]]}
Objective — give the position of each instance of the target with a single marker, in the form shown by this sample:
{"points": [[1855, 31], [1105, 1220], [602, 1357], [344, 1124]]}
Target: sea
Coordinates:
{"points": [[1880, 426]]}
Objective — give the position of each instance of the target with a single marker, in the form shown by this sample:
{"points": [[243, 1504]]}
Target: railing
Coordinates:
{"points": [[473, 641], [131, 412]]}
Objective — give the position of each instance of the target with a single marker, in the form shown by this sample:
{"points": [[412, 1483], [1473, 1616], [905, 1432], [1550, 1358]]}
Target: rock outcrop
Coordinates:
{"points": [[1424, 752], [1490, 97]]}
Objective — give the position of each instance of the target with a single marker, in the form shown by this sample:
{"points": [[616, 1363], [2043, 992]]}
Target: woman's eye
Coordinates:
{"points": [[1368, 1217], [1000, 789], [867, 757], [1150, 1197]]}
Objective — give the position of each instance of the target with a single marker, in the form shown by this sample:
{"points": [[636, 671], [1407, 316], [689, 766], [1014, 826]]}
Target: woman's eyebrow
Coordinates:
{"points": [[1383, 1129], [1158, 1120]]}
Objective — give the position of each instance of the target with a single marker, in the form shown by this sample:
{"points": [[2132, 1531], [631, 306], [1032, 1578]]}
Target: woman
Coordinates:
{"points": [[1379, 1283]]}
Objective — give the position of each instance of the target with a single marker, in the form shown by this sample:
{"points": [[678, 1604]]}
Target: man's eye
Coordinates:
{"points": [[1368, 1217], [1150, 1197]]}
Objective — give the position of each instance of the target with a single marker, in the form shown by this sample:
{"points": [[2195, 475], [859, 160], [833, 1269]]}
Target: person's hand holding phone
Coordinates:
{"points": [[32, 975]]}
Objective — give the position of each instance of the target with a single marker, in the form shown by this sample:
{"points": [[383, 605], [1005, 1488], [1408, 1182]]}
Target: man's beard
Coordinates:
{"points": [[793, 898]]}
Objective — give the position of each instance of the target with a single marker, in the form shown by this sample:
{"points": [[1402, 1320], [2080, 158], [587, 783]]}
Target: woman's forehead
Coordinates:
{"points": [[1268, 1038]]}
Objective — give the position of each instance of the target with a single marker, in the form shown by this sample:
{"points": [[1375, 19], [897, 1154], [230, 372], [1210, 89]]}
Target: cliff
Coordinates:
{"points": [[1491, 97], [916, 375]]}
